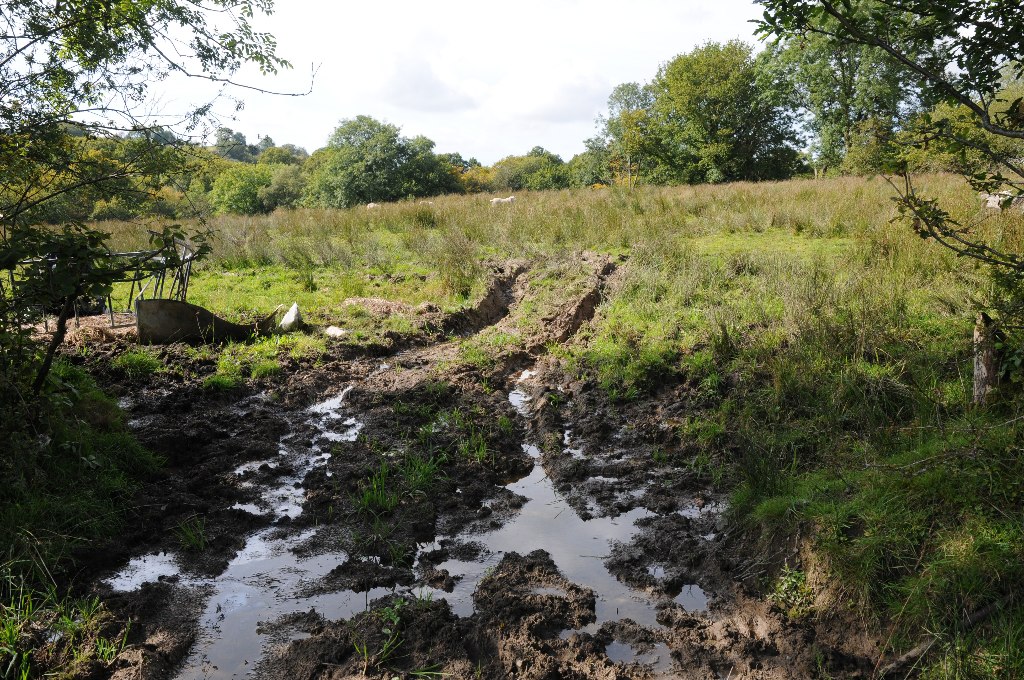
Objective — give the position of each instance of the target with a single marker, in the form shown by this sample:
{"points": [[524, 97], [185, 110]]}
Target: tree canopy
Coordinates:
{"points": [[367, 160], [71, 73]]}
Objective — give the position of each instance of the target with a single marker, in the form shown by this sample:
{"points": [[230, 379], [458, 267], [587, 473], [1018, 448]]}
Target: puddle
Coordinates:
{"points": [[266, 578], [144, 569], [659, 658], [693, 511], [692, 598], [578, 547], [520, 401]]}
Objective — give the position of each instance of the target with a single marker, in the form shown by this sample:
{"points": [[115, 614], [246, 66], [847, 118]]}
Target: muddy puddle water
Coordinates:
{"points": [[578, 547], [265, 580]]}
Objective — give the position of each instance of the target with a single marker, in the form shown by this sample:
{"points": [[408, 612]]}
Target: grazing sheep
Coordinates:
{"points": [[994, 201], [371, 206], [426, 203], [496, 201]]}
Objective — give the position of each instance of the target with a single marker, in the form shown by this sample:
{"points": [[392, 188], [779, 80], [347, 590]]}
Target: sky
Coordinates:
{"points": [[484, 79]]}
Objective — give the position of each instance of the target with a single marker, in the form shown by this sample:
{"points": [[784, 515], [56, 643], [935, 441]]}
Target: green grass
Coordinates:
{"points": [[377, 495], [822, 350], [137, 363], [191, 533]]}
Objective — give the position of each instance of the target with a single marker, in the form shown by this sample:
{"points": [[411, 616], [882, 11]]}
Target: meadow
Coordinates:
{"points": [[826, 348]]}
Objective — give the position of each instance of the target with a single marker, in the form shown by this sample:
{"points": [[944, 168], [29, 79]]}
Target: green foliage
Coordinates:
{"points": [[856, 94], [792, 593], [716, 121], [191, 533], [369, 161], [65, 478], [538, 170], [237, 189], [137, 363], [376, 497]]}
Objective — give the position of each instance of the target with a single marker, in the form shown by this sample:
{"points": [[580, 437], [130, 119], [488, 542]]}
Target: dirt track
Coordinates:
{"points": [[555, 538]]}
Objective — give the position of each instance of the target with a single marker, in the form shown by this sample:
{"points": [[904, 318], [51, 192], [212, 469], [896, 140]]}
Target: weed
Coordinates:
{"points": [[792, 593], [191, 533], [376, 497], [264, 368], [108, 650], [218, 381], [474, 447], [137, 363], [420, 474], [505, 424], [391, 620]]}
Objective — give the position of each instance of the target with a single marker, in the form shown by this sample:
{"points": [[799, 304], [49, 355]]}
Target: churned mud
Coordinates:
{"points": [[401, 512]]}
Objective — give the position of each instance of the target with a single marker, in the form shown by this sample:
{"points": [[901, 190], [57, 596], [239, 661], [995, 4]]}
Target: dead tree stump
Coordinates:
{"points": [[986, 366]]}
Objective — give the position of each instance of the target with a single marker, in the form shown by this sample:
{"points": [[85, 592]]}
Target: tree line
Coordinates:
{"points": [[807, 103]]}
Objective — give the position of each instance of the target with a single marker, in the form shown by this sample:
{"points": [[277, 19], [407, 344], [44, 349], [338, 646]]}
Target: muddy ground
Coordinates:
{"points": [[395, 511]]}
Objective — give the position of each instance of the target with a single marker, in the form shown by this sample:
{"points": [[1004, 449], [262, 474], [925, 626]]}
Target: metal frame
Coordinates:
{"points": [[145, 284]]}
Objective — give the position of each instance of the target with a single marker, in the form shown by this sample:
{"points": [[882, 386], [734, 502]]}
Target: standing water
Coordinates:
{"points": [[266, 579]]}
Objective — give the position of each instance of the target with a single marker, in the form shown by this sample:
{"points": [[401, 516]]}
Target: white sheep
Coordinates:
{"points": [[497, 201], [371, 206], [994, 201]]}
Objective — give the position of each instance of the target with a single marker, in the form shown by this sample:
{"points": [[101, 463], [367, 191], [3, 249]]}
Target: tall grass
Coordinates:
{"points": [[825, 348]]}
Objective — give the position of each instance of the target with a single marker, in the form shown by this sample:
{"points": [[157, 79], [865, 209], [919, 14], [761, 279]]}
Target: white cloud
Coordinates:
{"points": [[484, 79], [415, 86]]}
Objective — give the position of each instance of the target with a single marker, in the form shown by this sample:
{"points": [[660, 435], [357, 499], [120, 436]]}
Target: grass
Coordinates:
{"points": [[823, 350], [79, 630], [191, 533], [137, 363], [376, 497]]}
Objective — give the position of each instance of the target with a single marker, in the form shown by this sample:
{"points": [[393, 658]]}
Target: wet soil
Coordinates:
{"points": [[401, 513]]}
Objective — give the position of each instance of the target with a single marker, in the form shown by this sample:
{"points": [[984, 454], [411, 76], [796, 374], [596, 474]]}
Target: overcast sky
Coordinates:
{"points": [[485, 79]]}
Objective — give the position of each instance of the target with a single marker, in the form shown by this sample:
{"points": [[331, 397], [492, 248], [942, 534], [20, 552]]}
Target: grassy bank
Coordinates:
{"points": [[828, 351], [69, 477]]}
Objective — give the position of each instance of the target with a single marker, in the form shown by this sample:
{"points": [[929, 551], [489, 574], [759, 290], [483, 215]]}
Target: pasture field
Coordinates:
{"points": [[768, 385]]}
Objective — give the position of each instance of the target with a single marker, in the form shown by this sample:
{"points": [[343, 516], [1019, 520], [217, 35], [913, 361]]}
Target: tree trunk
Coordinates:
{"points": [[986, 370], [55, 341]]}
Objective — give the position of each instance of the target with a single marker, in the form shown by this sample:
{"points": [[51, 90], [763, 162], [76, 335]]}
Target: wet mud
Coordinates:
{"points": [[399, 513]]}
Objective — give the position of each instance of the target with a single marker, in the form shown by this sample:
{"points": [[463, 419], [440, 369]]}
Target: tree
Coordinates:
{"points": [[846, 89], [289, 154], [716, 120], [962, 53], [591, 167], [627, 129], [237, 189], [72, 72], [233, 146], [369, 161], [538, 170]]}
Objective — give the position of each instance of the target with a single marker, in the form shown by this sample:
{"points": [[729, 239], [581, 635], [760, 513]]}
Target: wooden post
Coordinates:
{"points": [[986, 370]]}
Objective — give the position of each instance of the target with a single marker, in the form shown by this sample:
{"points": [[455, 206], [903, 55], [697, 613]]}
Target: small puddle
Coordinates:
{"points": [[659, 658], [520, 400], [144, 569], [692, 598]]}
